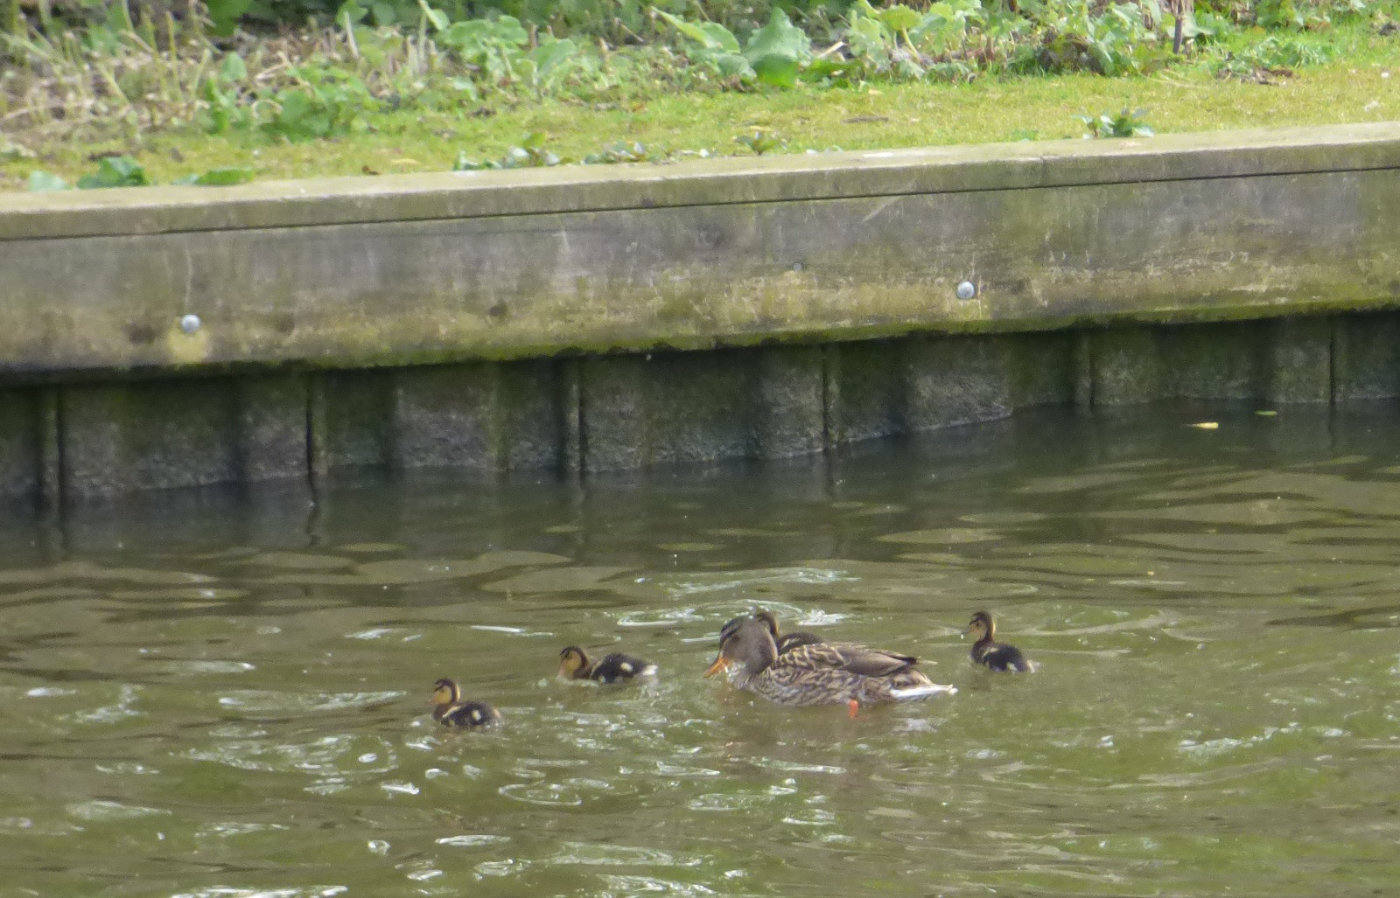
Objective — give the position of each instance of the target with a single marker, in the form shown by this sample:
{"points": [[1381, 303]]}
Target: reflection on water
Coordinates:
{"points": [[205, 695]]}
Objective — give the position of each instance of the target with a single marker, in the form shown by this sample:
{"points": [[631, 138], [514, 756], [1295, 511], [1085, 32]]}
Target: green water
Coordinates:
{"points": [[220, 696]]}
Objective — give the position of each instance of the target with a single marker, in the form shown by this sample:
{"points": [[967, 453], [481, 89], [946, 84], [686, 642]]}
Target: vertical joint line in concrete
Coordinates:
{"points": [[497, 420], [1084, 369], [572, 435], [391, 449], [1336, 346], [50, 449], [316, 460], [830, 396], [238, 411]]}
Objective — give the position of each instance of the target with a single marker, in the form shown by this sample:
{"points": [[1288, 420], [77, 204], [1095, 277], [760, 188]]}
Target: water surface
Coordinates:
{"points": [[214, 695]]}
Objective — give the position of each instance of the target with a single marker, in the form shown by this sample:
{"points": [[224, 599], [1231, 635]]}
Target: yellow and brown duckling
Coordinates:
{"points": [[450, 711], [818, 673], [574, 664], [990, 653]]}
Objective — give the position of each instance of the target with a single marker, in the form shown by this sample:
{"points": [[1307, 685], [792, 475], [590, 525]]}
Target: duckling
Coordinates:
{"points": [[450, 711], [995, 655], [817, 674], [785, 641], [574, 664]]}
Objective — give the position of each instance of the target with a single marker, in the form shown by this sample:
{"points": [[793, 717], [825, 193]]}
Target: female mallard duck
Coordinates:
{"points": [[450, 711], [574, 664], [817, 674], [986, 650]]}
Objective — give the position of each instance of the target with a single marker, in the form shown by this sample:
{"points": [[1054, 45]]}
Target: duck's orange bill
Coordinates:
{"points": [[720, 664]]}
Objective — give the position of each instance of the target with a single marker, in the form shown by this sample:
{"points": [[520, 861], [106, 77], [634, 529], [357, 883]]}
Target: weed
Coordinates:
{"points": [[614, 153], [41, 180], [1125, 123], [326, 102], [1274, 56], [773, 55], [218, 177], [899, 42], [531, 153], [115, 171], [123, 171], [760, 141]]}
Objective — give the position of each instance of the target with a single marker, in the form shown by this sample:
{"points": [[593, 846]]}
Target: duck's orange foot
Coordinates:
{"points": [[854, 706]]}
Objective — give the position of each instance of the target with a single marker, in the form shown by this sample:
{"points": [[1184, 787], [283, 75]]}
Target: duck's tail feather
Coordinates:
{"points": [[912, 692]]}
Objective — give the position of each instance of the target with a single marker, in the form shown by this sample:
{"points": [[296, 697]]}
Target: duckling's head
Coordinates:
{"points": [[770, 619], [746, 641], [574, 663], [980, 626], [445, 692]]}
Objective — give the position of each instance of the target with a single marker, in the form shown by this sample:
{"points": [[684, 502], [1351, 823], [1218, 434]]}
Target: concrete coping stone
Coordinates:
{"points": [[757, 179]]}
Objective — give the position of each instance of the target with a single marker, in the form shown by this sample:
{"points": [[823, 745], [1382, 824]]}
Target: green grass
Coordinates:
{"points": [[1361, 83]]}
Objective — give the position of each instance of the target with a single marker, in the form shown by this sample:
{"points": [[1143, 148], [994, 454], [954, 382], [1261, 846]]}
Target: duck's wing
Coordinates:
{"points": [[857, 659], [857, 648]]}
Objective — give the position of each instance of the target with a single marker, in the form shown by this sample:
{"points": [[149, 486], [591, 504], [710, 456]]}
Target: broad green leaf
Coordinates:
{"points": [[508, 30], [222, 177], [384, 13], [862, 9], [463, 35], [836, 69], [233, 69], [732, 65], [350, 13], [474, 38], [899, 17], [778, 38], [43, 180], [296, 106], [776, 70], [465, 86], [436, 17], [553, 55], [115, 171], [224, 14], [710, 35]]}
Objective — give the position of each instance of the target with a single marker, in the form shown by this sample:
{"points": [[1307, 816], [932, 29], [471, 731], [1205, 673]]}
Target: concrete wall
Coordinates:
{"points": [[587, 319]]}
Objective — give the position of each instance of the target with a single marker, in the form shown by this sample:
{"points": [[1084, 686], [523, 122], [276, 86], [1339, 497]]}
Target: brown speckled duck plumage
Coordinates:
{"points": [[818, 673]]}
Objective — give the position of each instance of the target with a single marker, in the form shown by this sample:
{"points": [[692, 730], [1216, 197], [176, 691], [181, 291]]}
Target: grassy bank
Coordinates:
{"points": [[674, 106]]}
